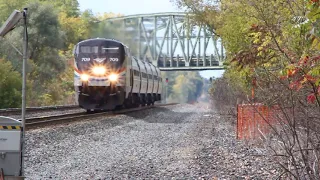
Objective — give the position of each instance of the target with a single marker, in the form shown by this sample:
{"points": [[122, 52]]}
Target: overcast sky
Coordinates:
{"points": [[128, 7]]}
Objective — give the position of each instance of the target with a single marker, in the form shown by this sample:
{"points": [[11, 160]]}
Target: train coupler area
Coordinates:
{"points": [[100, 98]]}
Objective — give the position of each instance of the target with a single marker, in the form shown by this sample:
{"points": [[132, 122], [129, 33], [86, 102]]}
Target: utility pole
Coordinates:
{"points": [[24, 79], [8, 26]]}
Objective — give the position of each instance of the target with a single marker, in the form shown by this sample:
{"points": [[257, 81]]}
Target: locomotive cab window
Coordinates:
{"points": [[89, 49], [110, 50], [113, 52]]}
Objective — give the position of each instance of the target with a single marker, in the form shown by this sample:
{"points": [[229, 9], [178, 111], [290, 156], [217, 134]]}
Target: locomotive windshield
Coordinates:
{"points": [[102, 52], [89, 49], [108, 50]]}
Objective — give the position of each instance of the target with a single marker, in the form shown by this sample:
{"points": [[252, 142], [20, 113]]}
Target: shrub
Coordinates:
{"points": [[10, 86]]}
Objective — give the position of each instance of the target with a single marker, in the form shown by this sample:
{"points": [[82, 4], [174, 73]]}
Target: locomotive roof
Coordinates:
{"points": [[101, 39]]}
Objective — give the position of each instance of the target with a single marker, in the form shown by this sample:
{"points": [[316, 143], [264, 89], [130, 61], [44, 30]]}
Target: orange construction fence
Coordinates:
{"points": [[253, 120]]}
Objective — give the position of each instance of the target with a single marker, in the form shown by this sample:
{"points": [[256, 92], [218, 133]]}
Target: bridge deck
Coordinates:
{"points": [[191, 68], [161, 37]]}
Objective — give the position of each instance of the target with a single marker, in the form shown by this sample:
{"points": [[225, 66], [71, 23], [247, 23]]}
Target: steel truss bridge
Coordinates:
{"points": [[172, 41]]}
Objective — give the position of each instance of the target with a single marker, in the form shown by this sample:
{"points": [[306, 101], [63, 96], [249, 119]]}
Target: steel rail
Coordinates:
{"points": [[35, 122], [43, 108]]}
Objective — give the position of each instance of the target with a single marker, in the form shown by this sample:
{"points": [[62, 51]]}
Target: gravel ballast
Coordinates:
{"points": [[181, 141]]}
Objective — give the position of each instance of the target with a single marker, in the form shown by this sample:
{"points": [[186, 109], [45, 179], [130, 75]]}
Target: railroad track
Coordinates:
{"points": [[36, 122], [13, 111]]}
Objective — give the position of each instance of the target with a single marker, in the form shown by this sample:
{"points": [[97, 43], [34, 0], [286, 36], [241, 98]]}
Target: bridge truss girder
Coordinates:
{"points": [[172, 41]]}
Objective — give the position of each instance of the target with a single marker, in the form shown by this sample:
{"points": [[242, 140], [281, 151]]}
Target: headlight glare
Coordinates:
{"points": [[99, 70], [113, 77], [84, 77]]}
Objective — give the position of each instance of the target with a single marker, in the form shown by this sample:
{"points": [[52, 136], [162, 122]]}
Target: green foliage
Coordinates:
{"points": [[272, 48], [48, 37], [263, 35], [74, 29], [45, 40], [184, 86], [7, 8], [70, 7], [10, 86]]}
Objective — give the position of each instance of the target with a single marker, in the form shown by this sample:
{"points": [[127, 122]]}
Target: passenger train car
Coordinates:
{"points": [[107, 76]]}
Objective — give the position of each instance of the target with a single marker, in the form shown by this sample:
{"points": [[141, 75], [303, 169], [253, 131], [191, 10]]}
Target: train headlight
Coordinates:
{"points": [[99, 70], [84, 77], [113, 77]]}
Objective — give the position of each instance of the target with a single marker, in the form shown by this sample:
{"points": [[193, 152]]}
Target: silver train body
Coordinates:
{"points": [[107, 76]]}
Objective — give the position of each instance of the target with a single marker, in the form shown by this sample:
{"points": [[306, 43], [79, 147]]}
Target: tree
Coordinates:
{"points": [[46, 61], [273, 46], [7, 7], [70, 7], [10, 86], [184, 86], [74, 30], [45, 41]]}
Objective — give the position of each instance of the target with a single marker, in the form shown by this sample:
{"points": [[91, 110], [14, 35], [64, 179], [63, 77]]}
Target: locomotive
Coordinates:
{"points": [[107, 76]]}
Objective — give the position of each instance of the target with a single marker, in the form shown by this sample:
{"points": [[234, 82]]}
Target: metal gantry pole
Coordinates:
{"points": [[171, 40], [155, 41], [139, 40], [188, 40], [24, 79], [204, 46], [168, 50], [199, 46]]}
